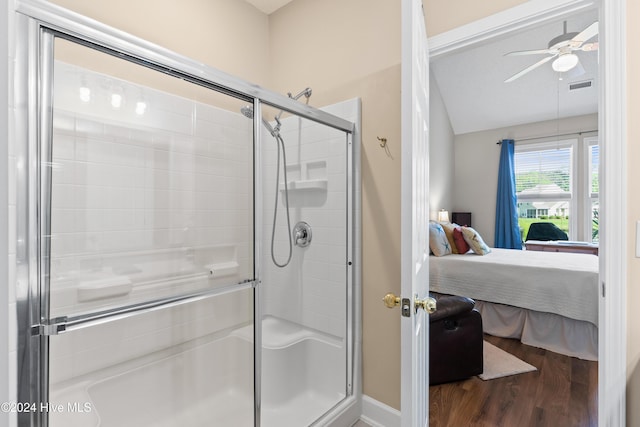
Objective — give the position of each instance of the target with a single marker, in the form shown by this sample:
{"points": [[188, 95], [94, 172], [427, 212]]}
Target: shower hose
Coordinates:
{"points": [[280, 142]]}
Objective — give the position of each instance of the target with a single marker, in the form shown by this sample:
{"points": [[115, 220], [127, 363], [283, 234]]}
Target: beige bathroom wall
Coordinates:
{"points": [[327, 43], [230, 35], [443, 16]]}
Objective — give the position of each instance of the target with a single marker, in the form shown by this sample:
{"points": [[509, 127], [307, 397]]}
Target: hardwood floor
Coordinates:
{"points": [[562, 392]]}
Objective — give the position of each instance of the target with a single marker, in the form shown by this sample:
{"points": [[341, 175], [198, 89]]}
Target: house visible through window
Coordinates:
{"points": [[549, 188]]}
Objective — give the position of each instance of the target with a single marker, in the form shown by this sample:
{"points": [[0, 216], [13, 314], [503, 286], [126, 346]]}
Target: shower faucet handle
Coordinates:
{"points": [[302, 234]]}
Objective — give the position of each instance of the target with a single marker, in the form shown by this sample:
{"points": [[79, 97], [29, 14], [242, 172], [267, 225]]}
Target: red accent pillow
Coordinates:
{"points": [[461, 244]]}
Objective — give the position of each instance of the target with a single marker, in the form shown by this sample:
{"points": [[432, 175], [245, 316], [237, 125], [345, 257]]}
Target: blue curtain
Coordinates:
{"points": [[507, 229]]}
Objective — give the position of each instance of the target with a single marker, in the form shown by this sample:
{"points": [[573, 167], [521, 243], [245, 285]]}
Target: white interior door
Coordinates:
{"points": [[415, 216]]}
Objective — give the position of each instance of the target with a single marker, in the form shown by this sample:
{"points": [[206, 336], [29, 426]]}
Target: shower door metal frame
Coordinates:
{"points": [[37, 23]]}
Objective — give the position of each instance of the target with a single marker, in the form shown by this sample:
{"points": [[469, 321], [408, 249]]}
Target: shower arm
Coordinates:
{"points": [[307, 94]]}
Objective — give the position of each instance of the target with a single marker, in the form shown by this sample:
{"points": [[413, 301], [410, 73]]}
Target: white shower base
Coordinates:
{"points": [[210, 383], [304, 373]]}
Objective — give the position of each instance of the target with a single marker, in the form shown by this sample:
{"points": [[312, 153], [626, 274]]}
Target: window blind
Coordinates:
{"points": [[594, 161], [543, 173]]}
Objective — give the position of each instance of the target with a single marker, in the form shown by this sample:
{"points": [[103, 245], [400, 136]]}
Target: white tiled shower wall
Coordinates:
{"points": [[174, 185], [312, 290], [182, 179], [177, 177]]}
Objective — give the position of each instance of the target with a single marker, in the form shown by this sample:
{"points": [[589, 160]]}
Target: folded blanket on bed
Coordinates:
{"points": [[551, 282]]}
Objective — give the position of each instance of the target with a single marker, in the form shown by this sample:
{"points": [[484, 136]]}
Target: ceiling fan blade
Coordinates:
{"points": [[587, 33], [589, 47], [530, 52], [531, 67]]}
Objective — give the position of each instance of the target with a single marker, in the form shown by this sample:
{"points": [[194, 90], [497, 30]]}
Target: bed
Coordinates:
{"points": [[545, 299]]}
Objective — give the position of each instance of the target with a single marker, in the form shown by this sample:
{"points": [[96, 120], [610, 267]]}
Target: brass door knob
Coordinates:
{"points": [[428, 304], [391, 300]]}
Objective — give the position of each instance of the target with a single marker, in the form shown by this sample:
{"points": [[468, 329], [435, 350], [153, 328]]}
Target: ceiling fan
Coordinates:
{"points": [[561, 50]]}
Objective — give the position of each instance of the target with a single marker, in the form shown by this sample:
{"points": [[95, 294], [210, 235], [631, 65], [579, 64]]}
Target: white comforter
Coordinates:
{"points": [[552, 282]]}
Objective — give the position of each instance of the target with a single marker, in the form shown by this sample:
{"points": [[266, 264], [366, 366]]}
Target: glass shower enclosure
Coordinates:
{"points": [[156, 217]]}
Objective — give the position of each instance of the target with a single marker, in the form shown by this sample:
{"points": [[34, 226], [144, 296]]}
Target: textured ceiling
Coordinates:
{"points": [[476, 97]]}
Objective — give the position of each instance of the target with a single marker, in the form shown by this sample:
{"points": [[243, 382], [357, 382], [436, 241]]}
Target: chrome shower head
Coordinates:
{"points": [[247, 111]]}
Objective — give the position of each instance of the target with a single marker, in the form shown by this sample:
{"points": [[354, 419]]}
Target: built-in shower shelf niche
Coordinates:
{"points": [[223, 269], [219, 261], [108, 287], [309, 176], [309, 184], [127, 276]]}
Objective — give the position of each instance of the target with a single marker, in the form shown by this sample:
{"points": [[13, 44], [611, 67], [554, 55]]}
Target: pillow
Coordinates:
{"points": [[448, 231], [438, 242], [475, 242], [461, 244]]}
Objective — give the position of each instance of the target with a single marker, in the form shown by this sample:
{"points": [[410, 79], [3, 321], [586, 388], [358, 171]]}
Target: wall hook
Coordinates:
{"points": [[383, 144]]}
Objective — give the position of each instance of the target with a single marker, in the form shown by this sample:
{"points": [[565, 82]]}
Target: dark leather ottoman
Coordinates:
{"points": [[455, 340]]}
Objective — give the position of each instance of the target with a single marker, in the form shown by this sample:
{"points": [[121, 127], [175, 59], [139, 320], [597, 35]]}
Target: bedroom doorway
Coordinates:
{"points": [[611, 370]]}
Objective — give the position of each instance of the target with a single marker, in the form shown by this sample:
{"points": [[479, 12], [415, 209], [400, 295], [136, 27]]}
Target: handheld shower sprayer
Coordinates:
{"points": [[248, 112]]}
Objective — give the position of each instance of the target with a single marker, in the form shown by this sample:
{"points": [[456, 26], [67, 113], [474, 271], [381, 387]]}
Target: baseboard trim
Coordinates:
{"points": [[377, 414]]}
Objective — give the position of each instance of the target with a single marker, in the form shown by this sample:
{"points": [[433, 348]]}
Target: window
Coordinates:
{"points": [[593, 184], [544, 184], [558, 182]]}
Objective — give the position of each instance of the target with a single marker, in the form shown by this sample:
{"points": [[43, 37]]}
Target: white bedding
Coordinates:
{"points": [[550, 282], [575, 338]]}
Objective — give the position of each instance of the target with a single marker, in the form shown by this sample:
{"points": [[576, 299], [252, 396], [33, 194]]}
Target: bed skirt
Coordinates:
{"points": [[549, 331]]}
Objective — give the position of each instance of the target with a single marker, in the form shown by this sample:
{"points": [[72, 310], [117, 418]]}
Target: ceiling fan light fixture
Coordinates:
{"points": [[564, 62]]}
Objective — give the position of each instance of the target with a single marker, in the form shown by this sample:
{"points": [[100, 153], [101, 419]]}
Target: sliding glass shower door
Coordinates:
{"points": [[306, 288], [147, 246], [152, 288]]}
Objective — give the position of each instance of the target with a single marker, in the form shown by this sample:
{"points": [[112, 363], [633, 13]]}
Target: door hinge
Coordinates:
{"points": [[603, 290]]}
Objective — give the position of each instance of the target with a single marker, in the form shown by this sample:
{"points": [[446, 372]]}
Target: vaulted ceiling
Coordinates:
{"points": [[472, 81]]}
